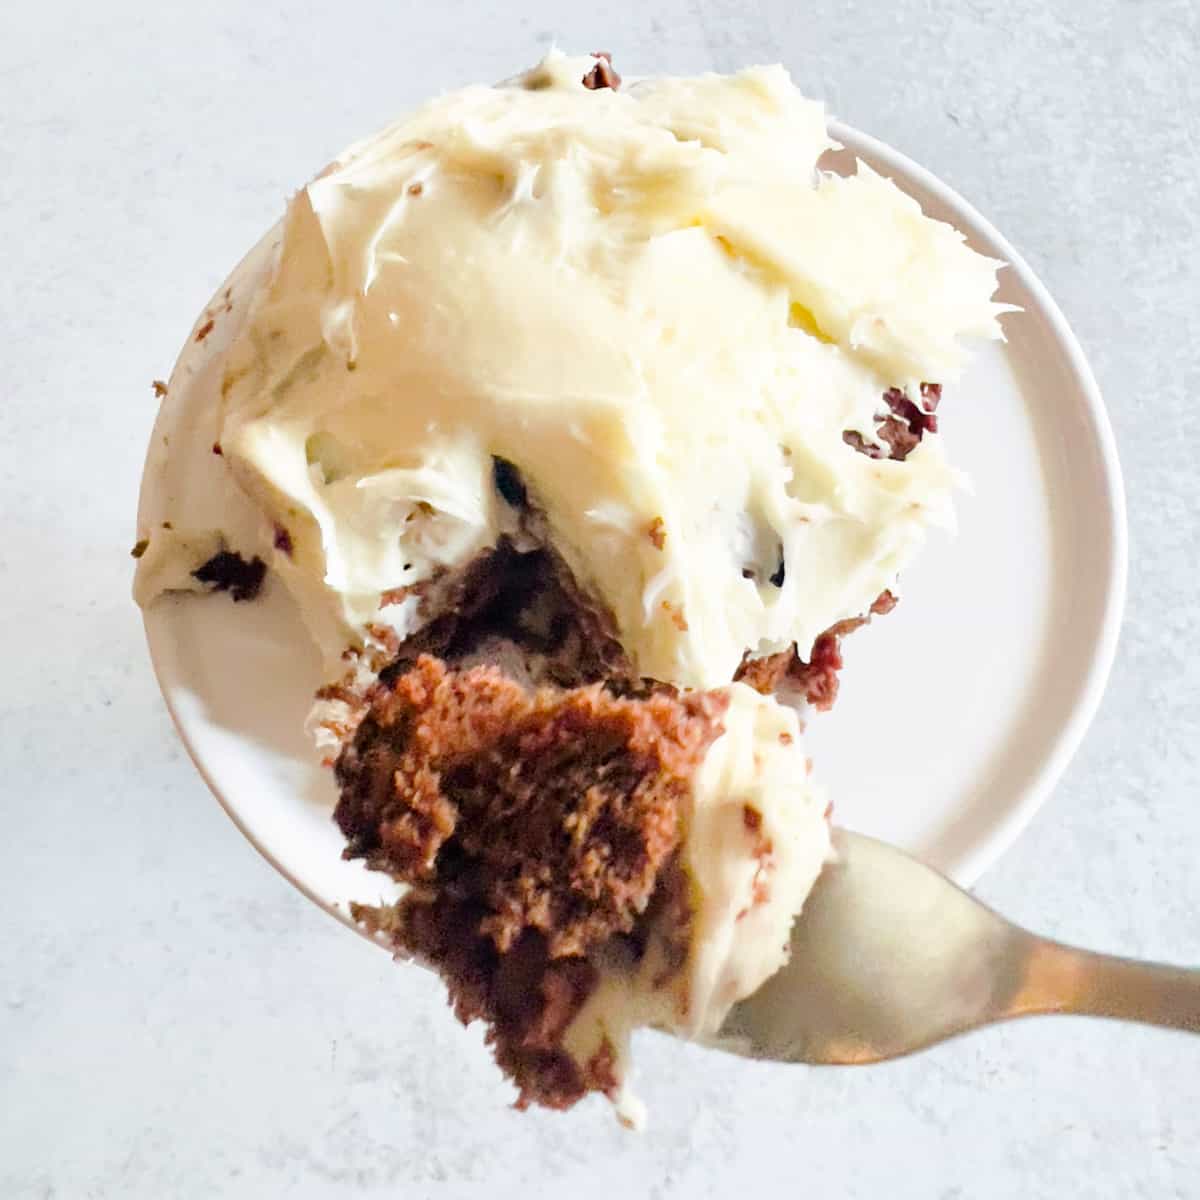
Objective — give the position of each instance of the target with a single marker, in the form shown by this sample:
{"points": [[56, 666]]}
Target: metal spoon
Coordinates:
{"points": [[889, 957]]}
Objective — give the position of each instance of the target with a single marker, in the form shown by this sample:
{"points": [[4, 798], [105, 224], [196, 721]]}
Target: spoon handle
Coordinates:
{"points": [[1062, 979]]}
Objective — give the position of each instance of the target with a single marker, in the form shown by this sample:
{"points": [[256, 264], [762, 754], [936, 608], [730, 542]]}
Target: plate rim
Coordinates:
{"points": [[1012, 823], [1009, 824]]}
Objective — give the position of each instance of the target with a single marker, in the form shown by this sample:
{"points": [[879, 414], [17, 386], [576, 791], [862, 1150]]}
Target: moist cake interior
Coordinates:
{"points": [[533, 827]]}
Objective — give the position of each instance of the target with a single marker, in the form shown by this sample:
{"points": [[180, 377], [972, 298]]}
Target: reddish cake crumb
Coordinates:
{"points": [[602, 74], [902, 428], [532, 827], [394, 596], [160, 388], [205, 329], [602, 1069], [764, 850], [816, 679]]}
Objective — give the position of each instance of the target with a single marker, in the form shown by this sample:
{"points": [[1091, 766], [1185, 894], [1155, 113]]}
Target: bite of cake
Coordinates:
{"points": [[584, 421], [581, 863]]}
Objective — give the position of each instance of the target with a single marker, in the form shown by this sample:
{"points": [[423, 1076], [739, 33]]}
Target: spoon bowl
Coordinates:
{"points": [[889, 957]]}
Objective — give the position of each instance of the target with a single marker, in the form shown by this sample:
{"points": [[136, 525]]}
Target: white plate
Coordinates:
{"points": [[958, 711]]}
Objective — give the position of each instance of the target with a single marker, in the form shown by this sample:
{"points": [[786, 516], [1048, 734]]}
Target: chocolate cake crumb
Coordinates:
{"points": [[205, 329], [139, 547], [216, 448], [283, 540], [228, 571], [160, 388], [602, 74], [532, 828]]}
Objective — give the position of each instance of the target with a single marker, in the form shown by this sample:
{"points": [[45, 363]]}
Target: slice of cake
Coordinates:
{"points": [[581, 863], [583, 421]]}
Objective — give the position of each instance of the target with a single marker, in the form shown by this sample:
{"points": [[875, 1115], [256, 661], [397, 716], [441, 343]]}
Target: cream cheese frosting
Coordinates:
{"points": [[653, 305], [755, 839]]}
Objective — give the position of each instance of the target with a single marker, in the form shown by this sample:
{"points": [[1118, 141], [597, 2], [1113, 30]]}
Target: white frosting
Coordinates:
{"points": [[755, 840], [648, 301], [653, 305], [748, 883]]}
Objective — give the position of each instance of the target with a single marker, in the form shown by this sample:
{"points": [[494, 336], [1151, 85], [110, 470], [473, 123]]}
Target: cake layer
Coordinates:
{"points": [[581, 863]]}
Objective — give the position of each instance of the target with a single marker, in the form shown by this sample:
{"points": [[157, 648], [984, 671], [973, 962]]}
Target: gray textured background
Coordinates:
{"points": [[175, 1021]]}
